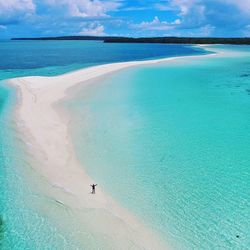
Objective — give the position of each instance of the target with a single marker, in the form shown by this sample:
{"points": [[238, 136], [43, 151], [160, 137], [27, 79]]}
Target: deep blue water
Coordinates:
{"points": [[20, 58]]}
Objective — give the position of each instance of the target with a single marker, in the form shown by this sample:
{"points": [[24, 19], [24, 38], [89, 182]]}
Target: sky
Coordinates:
{"points": [[134, 18]]}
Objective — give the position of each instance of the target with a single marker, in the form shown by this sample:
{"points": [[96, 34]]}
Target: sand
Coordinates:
{"points": [[97, 219]]}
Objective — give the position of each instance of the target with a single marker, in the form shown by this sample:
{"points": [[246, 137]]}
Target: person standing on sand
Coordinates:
{"points": [[93, 188]]}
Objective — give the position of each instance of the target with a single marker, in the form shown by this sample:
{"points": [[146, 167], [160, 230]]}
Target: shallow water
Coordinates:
{"points": [[24, 224], [171, 144]]}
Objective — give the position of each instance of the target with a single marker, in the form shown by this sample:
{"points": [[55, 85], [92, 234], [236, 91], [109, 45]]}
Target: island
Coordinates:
{"points": [[167, 40]]}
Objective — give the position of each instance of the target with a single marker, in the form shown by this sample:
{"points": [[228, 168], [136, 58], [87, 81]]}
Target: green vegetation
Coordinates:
{"points": [[100, 38], [180, 40], [167, 40]]}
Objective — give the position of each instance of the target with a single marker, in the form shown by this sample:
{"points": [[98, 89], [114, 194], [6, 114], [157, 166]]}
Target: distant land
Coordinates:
{"points": [[180, 40], [98, 38], [168, 40]]}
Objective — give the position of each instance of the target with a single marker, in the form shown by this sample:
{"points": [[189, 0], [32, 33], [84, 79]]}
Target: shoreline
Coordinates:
{"points": [[46, 132]]}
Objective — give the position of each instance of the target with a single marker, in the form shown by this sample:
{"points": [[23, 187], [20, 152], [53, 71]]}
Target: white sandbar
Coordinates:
{"points": [[46, 132]]}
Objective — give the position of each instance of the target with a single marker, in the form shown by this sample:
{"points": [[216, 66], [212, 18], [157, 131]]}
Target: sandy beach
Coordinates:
{"points": [[46, 131]]}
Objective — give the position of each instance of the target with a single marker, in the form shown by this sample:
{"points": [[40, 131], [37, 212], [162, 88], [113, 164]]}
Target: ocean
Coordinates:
{"points": [[22, 226], [170, 143], [49, 58]]}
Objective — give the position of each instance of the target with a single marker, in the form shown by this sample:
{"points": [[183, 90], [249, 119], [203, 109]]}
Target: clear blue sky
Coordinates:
{"points": [[27, 18]]}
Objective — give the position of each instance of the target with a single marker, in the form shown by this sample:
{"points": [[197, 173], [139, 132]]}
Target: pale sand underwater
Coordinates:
{"points": [[45, 129]]}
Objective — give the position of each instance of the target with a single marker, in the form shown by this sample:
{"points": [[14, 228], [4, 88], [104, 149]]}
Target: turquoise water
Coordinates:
{"points": [[22, 225], [171, 144]]}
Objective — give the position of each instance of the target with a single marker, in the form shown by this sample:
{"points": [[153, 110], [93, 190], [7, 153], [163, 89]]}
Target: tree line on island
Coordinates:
{"points": [[166, 40]]}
